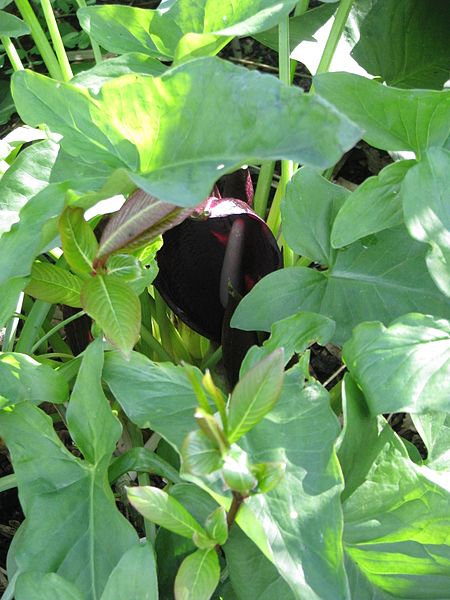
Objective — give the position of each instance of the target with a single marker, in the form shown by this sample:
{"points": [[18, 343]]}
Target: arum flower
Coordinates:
{"points": [[211, 260]]}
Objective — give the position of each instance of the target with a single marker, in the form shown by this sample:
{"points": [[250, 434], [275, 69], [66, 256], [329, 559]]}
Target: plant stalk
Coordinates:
{"points": [[95, 47], [333, 39], [40, 39], [11, 51], [56, 328], [57, 41]]}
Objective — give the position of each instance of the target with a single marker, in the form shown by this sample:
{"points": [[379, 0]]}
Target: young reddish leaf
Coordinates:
{"points": [[78, 240], [255, 394], [116, 309], [164, 510], [140, 220], [55, 285], [198, 576]]}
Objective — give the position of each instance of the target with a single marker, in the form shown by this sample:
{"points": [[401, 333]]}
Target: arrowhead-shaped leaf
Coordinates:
{"points": [[393, 119], [116, 309], [375, 205], [404, 367], [426, 204], [196, 103], [22, 379]]}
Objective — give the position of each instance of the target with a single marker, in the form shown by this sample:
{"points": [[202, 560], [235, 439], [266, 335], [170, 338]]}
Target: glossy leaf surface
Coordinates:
{"points": [[404, 367], [116, 309], [375, 205], [381, 279], [393, 119], [55, 285], [23, 379], [198, 576], [75, 492], [183, 173], [426, 199]]}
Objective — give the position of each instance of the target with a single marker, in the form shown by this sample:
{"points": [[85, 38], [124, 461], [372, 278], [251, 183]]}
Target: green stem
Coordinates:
{"points": [[287, 166], [336, 31], [8, 482], [95, 47], [57, 41], [11, 51], [35, 319], [163, 321], [262, 191], [153, 343], [40, 39], [211, 361], [56, 328]]}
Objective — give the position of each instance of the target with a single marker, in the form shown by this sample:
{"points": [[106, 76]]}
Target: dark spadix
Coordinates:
{"points": [[211, 260]]}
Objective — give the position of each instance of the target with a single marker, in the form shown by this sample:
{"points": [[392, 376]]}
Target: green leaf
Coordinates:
{"points": [[120, 29], [434, 429], [115, 307], [302, 514], [206, 89], [160, 508], [153, 395], [9, 295], [375, 205], [403, 367], [142, 460], [55, 285], [74, 492], [78, 240], [7, 107], [181, 29], [200, 454], [396, 521], [140, 220], [236, 472], [393, 119], [45, 586], [134, 576], [268, 474], [308, 212], [134, 62], [406, 44], [378, 279], [255, 395], [93, 441], [12, 26], [426, 198], [216, 525], [22, 379], [198, 576], [294, 334], [251, 572], [125, 266], [28, 175], [301, 27]]}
